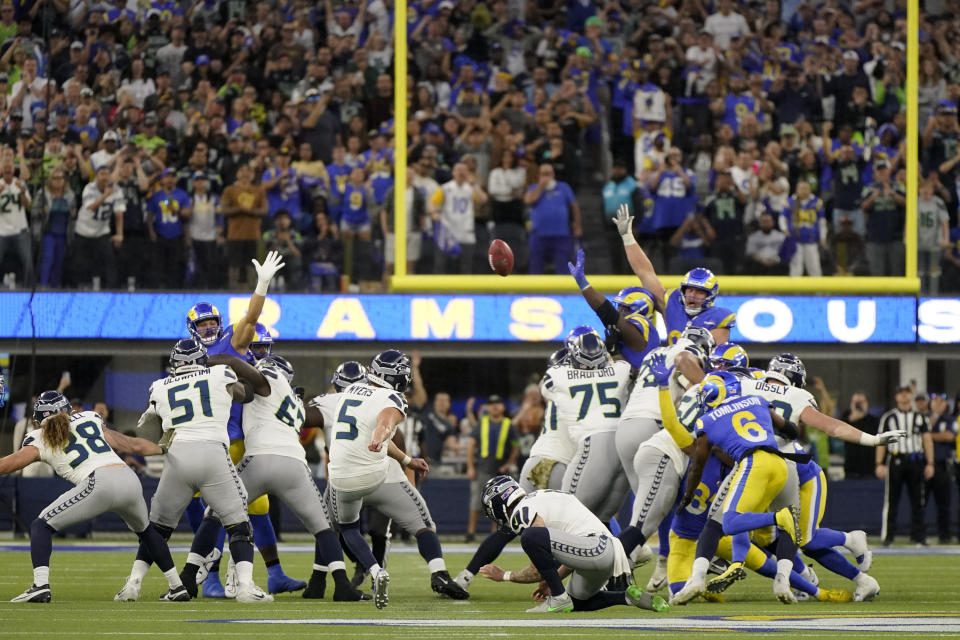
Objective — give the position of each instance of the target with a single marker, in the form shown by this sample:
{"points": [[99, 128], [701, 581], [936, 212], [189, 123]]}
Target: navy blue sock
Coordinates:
{"points": [[205, 538], [157, 547], [491, 547], [354, 541], [631, 538], [221, 540], [786, 548], [41, 542], [378, 546], [663, 534], [709, 539], [429, 545], [599, 600], [536, 543], [241, 542], [143, 552], [194, 513], [327, 549], [346, 550], [834, 561]]}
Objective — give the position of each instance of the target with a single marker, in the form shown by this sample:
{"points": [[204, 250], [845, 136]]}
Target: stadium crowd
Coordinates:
{"points": [[164, 144]]}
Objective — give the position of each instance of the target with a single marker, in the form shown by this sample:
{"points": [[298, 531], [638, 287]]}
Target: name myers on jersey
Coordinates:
{"points": [[739, 405], [360, 390], [586, 374]]}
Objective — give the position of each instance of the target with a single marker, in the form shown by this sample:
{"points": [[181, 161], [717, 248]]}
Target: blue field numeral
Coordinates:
{"points": [[351, 432], [203, 388]]}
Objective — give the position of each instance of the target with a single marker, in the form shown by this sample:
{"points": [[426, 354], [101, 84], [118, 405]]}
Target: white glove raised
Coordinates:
{"points": [[265, 272], [869, 440], [624, 222]]}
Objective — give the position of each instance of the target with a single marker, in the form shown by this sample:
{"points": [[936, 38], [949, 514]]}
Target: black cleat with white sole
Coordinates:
{"points": [[442, 583], [178, 594], [35, 594]]}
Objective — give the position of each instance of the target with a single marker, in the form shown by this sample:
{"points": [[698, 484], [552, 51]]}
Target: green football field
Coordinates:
{"points": [[918, 598]]}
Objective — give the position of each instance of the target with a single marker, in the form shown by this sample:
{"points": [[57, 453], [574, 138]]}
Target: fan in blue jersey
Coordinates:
{"points": [[205, 324], [691, 303], [629, 325]]}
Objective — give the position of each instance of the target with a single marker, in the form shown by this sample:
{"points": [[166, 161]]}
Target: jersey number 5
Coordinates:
{"points": [[90, 434], [351, 432], [203, 388]]}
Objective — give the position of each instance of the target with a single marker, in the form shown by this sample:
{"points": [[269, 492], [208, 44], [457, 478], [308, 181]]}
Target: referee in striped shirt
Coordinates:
{"points": [[908, 461]]}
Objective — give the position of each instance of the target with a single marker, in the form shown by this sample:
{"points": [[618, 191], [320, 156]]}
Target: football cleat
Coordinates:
{"points": [[130, 591], [721, 583], [442, 583], [230, 584], [359, 575], [858, 546], [212, 587], [317, 586], [713, 597], [636, 597], [381, 583], [641, 555], [810, 576], [867, 588], [350, 594], [834, 595], [658, 580], [178, 594], [204, 569], [691, 591], [463, 579], [554, 604], [34, 594], [788, 519], [252, 593], [717, 566], [284, 583], [781, 589]]}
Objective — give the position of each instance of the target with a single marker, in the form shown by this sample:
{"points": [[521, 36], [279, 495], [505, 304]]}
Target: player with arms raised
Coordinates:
{"points": [[692, 302], [78, 447], [193, 406]]}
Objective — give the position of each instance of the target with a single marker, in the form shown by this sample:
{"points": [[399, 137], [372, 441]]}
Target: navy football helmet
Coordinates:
{"points": [[587, 351], [348, 373], [391, 369], [558, 357], [791, 367], [49, 403], [499, 495], [278, 364], [197, 314], [578, 331], [262, 345], [187, 353], [701, 338]]}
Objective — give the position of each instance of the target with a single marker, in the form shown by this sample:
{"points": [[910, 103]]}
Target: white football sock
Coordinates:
{"points": [[173, 578], [41, 576], [140, 569], [244, 573], [437, 564]]}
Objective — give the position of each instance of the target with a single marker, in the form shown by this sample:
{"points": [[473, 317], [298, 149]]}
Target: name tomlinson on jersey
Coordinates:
{"points": [[746, 403], [582, 374]]}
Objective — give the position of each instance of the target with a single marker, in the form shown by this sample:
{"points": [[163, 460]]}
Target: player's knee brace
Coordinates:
{"points": [[260, 506], [240, 532], [164, 531]]}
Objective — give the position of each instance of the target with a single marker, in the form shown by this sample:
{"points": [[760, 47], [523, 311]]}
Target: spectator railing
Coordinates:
{"points": [[401, 281]]}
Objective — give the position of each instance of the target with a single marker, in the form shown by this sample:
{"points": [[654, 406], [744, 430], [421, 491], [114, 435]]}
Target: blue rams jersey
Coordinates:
{"points": [[739, 425], [225, 346], [649, 332], [354, 208], [677, 318], [690, 522], [806, 471], [673, 200], [738, 106], [804, 219]]}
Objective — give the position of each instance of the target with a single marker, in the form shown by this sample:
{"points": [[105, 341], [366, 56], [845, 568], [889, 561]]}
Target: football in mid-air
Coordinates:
{"points": [[501, 258]]}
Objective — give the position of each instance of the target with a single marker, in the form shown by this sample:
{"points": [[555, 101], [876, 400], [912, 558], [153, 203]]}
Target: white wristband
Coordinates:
{"points": [[406, 460], [262, 287], [628, 239], [506, 576]]}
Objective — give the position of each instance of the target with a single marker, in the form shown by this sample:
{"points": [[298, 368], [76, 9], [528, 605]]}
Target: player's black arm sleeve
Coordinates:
{"points": [[783, 427], [631, 335]]}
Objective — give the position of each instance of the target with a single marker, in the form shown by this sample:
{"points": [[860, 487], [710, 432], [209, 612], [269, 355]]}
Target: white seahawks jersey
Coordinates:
{"points": [[559, 510], [789, 402], [554, 441], [688, 410], [644, 401], [326, 404], [196, 404], [85, 452], [355, 420], [271, 424], [588, 400]]}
